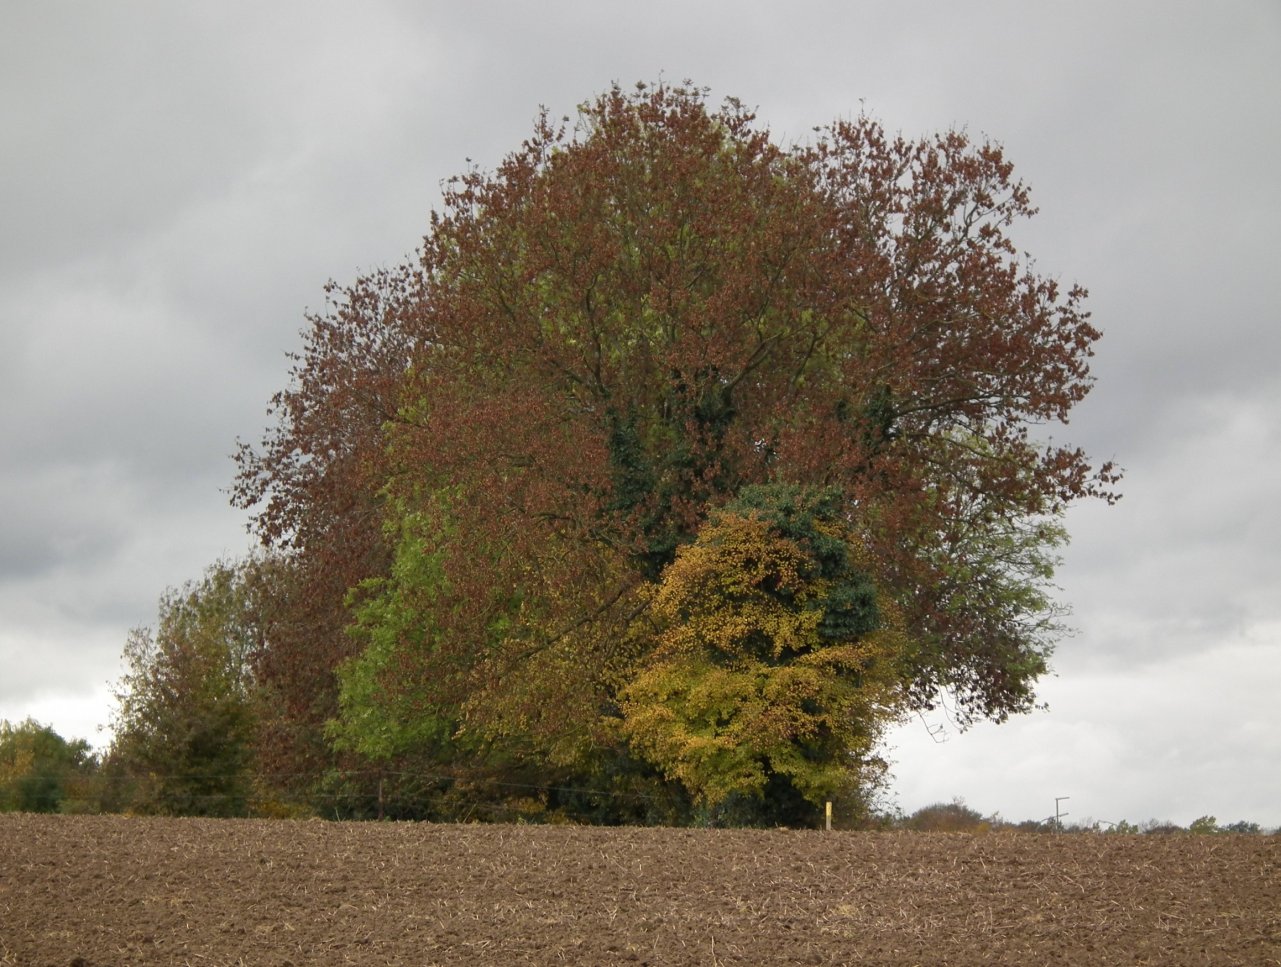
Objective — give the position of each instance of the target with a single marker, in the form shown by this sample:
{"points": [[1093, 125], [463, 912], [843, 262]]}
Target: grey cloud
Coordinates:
{"points": [[55, 514], [1155, 743]]}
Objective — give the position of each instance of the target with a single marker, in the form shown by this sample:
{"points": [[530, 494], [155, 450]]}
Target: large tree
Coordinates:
{"points": [[608, 338]]}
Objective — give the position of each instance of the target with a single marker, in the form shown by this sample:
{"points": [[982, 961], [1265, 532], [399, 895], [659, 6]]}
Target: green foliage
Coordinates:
{"points": [[1209, 825], [185, 718], [1243, 828], [995, 621], [1123, 828], [848, 606], [40, 771], [385, 701], [1204, 825]]}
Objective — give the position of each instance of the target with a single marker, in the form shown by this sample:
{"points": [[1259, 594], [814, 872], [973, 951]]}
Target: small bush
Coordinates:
{"points": [[953, 817]]}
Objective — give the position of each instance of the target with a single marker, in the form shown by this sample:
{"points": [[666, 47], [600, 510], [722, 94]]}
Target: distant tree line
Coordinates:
{"points": [[957, 817]]}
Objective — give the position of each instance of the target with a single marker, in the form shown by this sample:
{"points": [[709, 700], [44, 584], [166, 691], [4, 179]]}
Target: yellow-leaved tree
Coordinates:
{"points": [[778, 664]]}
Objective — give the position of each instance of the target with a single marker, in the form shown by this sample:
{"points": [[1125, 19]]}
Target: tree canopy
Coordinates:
{"points": [[776, 666], [530, 448], [39, 769], [185, 719]]}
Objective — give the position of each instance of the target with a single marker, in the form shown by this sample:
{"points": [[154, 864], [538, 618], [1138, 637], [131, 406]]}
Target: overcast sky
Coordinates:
{"points": [[178, 182]]}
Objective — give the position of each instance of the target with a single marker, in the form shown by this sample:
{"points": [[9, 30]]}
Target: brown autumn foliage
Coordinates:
{"points": [[315, 482], [611, 335]]}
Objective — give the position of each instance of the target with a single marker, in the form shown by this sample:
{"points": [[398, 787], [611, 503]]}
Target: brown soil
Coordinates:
{"points": [[114, 890]]}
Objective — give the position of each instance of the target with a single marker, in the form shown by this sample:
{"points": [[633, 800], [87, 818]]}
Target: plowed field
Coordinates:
{"points": [[112, 890]]}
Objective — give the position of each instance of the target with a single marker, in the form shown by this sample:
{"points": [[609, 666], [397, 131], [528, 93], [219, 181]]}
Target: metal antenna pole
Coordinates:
{"points": [[1058, 816]]}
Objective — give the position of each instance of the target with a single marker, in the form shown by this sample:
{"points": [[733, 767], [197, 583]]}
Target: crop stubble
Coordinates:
{"points": [[110, 890]]}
